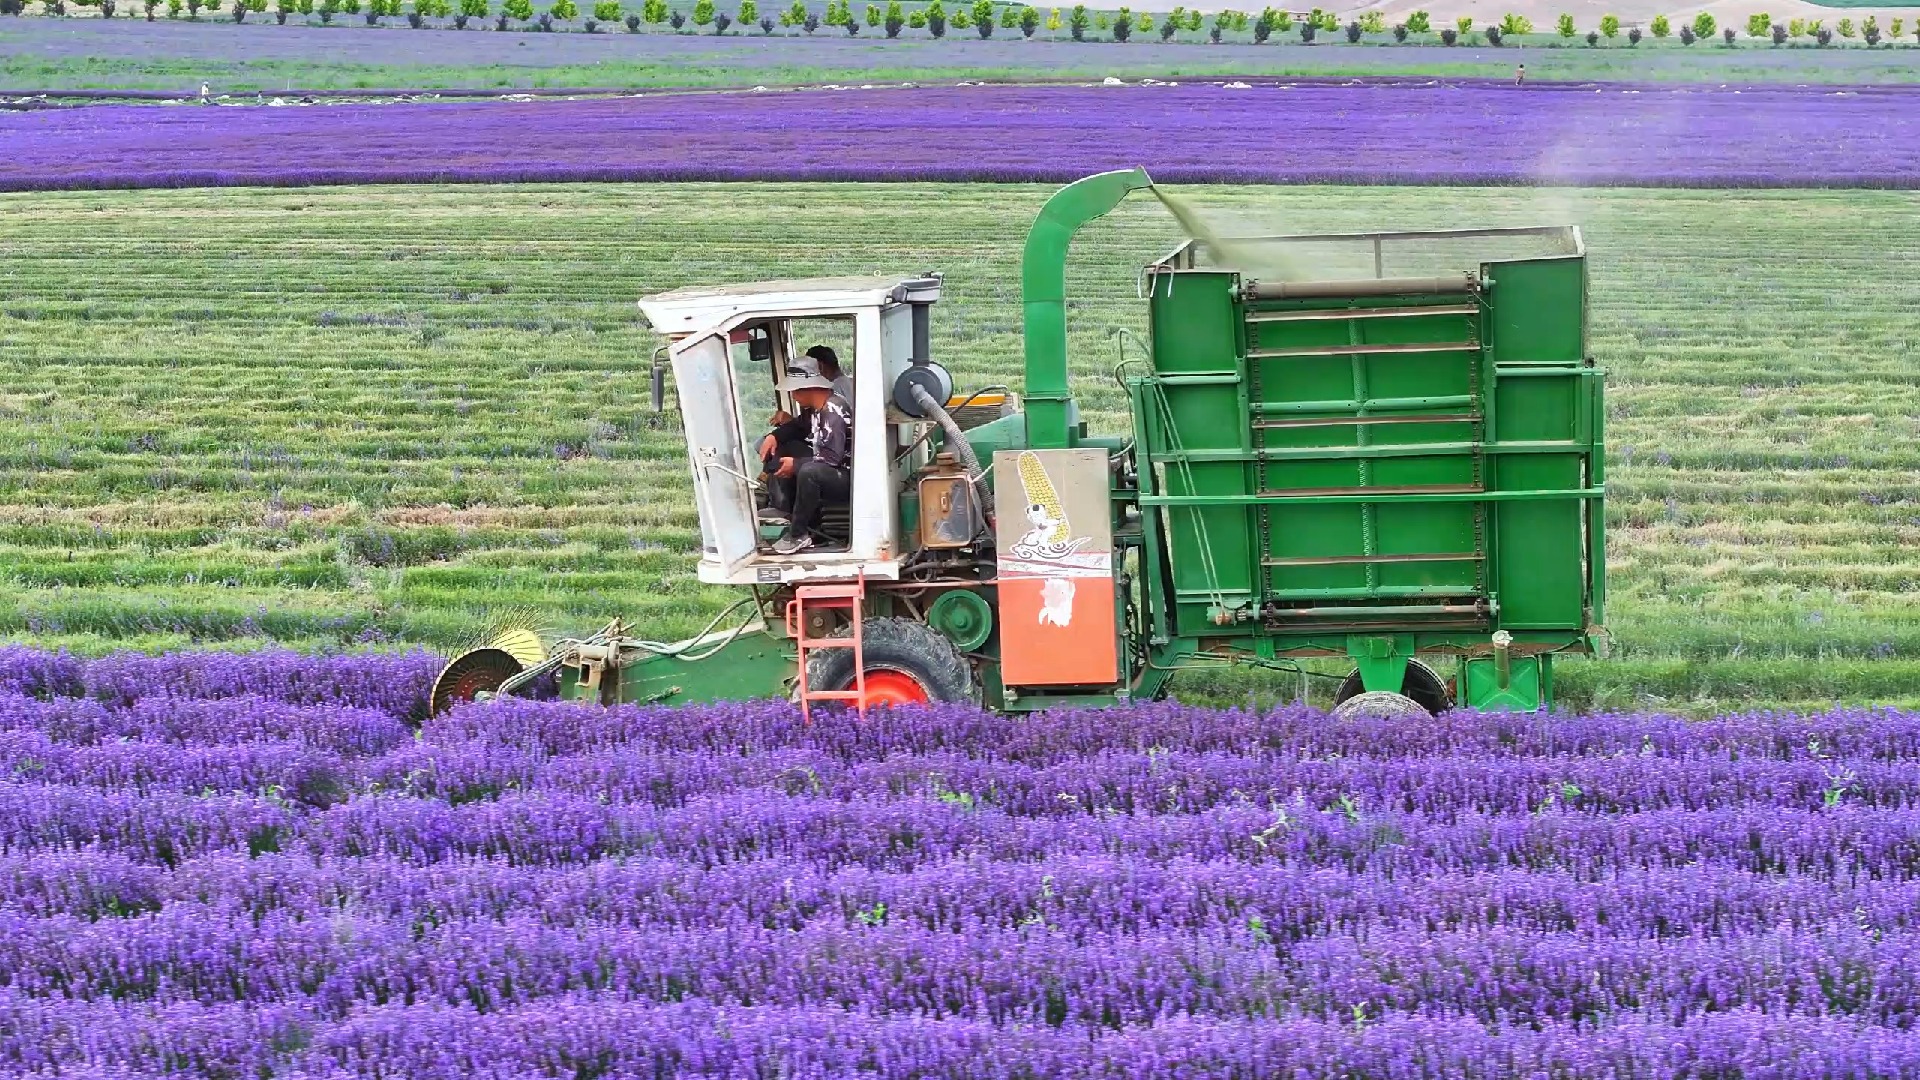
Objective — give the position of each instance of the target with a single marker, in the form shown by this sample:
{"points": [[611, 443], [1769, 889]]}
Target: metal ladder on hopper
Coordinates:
{"points": [[848, 595], [1363, 418]]}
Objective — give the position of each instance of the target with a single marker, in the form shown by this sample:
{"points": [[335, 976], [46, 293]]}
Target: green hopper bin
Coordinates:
{"points": [[1378, 446]]}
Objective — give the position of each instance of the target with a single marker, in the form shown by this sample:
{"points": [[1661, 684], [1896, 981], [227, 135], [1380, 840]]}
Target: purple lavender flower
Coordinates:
{"points": [[1298, 131], [250, 866]]}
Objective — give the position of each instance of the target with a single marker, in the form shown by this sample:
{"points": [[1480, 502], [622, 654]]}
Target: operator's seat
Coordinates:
{"points": [[836, 524]]}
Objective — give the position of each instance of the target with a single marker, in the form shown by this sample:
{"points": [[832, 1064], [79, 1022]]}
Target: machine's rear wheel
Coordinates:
{"points": [[1421, 684], [893, 688], [472, 673], [908, 663], [1379, 704]]}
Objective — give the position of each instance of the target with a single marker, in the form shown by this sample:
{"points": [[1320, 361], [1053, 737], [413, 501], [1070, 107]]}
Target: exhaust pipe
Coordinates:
{"points": [[659, 380], [922, 333]]}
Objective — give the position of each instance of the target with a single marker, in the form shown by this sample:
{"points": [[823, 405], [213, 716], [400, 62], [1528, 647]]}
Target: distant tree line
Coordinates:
{"points": [[983, 18]]}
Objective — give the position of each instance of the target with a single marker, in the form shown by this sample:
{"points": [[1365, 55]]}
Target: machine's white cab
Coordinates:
{"points": [[727, 345]]}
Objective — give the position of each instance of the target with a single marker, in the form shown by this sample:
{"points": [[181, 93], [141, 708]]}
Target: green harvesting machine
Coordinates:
{"points": [[1391, 455]]}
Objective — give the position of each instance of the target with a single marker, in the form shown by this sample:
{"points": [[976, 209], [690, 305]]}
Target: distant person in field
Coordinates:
{"points": [[823, 475], [1520, 75]]}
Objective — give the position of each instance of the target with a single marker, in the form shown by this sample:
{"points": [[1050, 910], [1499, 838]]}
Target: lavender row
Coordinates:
{"points": [[907, 833], [569, 1038], [904, 833], [1430, 133], [151, 697], [292, 770], [396, 684], [83, 741], [350, 731], [1072, 735], [1084, 896], [1155, 781], [1030, 976]]}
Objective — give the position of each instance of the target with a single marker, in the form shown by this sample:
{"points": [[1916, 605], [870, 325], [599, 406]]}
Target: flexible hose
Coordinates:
{"points": [[956, 439], [968, 400], [681, 648], [957, 442]]}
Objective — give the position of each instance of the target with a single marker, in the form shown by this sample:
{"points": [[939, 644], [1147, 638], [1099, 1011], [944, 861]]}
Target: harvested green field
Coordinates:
{"points": [[346, 415]]}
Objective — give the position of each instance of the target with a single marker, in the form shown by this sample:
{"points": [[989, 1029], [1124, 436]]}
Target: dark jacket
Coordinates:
{"points": [[830, 431], [795, 429]]}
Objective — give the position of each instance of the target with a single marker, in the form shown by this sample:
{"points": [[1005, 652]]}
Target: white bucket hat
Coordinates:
{"points": [[803, 373]]}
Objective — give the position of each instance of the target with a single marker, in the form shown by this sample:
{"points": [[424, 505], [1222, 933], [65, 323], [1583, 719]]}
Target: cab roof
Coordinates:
{"points": [[684, 310]]}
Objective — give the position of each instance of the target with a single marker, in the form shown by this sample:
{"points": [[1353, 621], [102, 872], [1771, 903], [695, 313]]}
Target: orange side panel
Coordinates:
{"points": [[1057, 631]]}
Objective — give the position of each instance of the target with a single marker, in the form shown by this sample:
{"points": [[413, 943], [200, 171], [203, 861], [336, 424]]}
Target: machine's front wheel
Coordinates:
{"points": [[1421, 684], [1379, 705], [472, 673], [908, 663]]}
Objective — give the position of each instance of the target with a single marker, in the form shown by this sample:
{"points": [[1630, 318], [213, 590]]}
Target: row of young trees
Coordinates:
{"points": [[983, 17], [1759, 25]]}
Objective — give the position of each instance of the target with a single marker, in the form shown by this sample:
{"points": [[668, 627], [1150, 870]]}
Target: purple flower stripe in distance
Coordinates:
{"points": [[1272, 132], [160, 828], [250, 866]]}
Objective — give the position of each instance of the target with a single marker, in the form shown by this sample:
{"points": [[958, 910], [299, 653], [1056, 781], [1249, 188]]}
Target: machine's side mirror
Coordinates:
{"points": [[659, 379], [760, 347]]}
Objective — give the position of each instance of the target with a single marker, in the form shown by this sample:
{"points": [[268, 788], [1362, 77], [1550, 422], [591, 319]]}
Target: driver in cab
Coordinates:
{"points": [[817, 474], [790, 435]]}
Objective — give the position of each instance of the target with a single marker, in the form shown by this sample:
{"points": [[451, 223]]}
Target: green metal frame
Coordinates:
{"points": [[1398, 469], [753, 665]]}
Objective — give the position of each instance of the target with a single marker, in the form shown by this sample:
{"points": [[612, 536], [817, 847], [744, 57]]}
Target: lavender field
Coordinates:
{"points": [[1417, 132], [251, 866]]}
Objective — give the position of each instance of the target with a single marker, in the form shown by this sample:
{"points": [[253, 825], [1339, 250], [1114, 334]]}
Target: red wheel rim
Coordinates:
{"points": [[471, 673], [893, 688], [472, 682]]}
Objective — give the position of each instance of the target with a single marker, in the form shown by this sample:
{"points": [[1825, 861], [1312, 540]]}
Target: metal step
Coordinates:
{"points": [[1338, 421], [1341, 314], [1346, 560], [1361, 494], [1365, 611], [1410, 349]]}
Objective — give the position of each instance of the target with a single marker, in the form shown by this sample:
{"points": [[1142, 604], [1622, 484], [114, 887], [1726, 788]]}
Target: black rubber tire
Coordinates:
{"points": [[911, 648], [1421, 683], [1379, 704]]}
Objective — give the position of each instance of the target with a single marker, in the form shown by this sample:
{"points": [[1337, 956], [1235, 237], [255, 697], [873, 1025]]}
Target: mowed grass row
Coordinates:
{"points": [[358, 415]]}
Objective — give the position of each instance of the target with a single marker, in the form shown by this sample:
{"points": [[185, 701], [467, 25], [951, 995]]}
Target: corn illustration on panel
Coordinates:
{"points": [[1043, 503]]}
